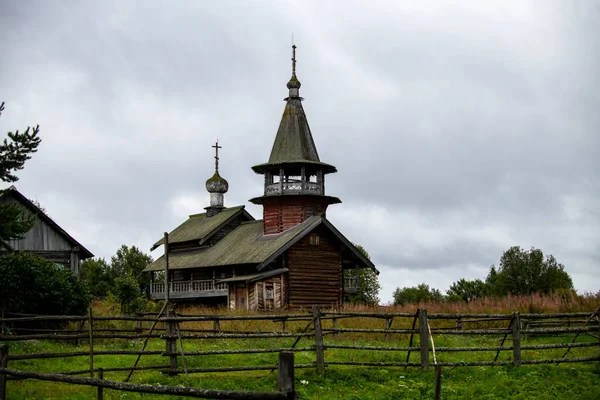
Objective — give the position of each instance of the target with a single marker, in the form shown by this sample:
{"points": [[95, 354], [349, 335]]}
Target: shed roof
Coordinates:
{"points": [[38, 212], [200, 227]]}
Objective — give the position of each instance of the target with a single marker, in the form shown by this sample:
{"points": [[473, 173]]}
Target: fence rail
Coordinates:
{"points": [[420, 328]]}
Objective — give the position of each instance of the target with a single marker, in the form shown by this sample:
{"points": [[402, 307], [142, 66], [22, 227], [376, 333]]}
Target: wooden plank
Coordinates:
{"points": [[319, 347], [285, 381], [424, 339], [516, 331]]}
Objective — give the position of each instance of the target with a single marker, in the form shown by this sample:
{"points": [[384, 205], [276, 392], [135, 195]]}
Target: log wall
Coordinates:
{"points": [[315, 272], [282, 213]]}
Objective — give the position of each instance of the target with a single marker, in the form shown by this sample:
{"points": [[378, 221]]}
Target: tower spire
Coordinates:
{"points": [[294, 84], [293, 60]]}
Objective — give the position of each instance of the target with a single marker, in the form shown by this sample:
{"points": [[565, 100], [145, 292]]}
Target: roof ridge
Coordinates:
{"points": [[224, 209]]}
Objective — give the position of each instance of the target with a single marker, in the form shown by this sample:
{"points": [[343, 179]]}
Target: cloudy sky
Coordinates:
{"points": [[458, 129]]}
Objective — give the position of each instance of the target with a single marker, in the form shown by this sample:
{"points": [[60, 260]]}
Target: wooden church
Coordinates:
{"points": [[292, 258]]}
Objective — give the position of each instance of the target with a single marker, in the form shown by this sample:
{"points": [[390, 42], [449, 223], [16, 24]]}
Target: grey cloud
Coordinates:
{"points": [[471, 125]]}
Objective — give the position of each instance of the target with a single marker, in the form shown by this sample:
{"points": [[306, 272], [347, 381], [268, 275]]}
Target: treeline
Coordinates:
{"points": [[121, 279], [520, 272]]}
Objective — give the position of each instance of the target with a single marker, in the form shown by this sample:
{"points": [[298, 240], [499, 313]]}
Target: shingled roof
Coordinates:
{"points": [[39, 213], [294, 143], [247, 244], [200, 227]]}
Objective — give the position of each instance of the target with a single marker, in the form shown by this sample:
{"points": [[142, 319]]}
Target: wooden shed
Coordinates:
{"points": [[46, 238]]}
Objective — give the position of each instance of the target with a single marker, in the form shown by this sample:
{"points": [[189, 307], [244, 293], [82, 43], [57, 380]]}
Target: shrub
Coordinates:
{"points": [[32, 284]]}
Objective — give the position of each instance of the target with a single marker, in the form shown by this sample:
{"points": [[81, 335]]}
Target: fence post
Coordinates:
{"points": [[319, 348], [424, 339], [171, 342], [3, 364], [286, 372], [438, 382], [100, 388], [388, 326], [516, 334], [91, 332], [334, 325]]}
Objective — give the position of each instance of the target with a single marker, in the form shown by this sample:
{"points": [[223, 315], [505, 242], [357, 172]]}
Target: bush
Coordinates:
{"points": [[34, 285]]}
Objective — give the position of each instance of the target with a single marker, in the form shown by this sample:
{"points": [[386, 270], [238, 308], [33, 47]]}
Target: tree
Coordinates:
{"points": [[368, 282], [466, 290], [32, 284], [17, 148], [128, 294], [524, 272], [130, 262], [97, 275], [417, 294]]}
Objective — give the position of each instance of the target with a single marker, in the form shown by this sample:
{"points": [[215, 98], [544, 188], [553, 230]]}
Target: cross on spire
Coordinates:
{"points": [[294, 60], [217, 147]]}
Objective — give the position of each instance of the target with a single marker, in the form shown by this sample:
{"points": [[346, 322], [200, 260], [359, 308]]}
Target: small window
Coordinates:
{"points": [[269, 293], [314, 240]]}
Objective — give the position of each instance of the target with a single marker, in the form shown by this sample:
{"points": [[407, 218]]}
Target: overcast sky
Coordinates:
{"points": [[459, 129]]}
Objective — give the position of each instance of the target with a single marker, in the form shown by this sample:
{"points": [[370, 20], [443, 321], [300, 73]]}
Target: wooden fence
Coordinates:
{"points": [[326, 331]]}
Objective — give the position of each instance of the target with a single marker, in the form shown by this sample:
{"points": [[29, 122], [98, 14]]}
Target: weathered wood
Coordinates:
{"points": [[145, 388], [432, 343], [315, 272], [167, 287], [516, 336], [240, 336], [182, 352], [146, 341], [91, 338], [70, 337], [3, 365], [171, 340], [100, 388], [424, 339], [363, 330], [319, 347], [244, 351], [410, 343], [438, 382], [388, 327], [285, 381]]}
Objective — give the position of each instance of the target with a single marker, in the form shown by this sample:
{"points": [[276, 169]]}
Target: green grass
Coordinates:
{"points": [[574, 381]]}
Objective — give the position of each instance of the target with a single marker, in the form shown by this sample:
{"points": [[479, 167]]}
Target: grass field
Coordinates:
{"points": [[566, 381]]}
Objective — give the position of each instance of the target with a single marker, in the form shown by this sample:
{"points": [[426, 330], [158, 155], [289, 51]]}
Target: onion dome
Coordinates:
{"points": [[217, 184]]}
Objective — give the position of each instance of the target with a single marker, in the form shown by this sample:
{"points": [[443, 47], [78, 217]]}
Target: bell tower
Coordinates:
{"points": [[294, 176]]}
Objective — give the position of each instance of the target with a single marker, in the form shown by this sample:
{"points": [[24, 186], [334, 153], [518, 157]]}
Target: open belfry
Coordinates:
{"points": [[293, 258]]}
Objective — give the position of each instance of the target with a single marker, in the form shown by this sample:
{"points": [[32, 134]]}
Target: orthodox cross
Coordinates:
{"points": [[217, 147], [294, 60]]}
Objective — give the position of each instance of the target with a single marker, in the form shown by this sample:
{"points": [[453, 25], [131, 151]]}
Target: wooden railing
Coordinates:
{"points": [[188, 287], [294, 188], [351, 284]]}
